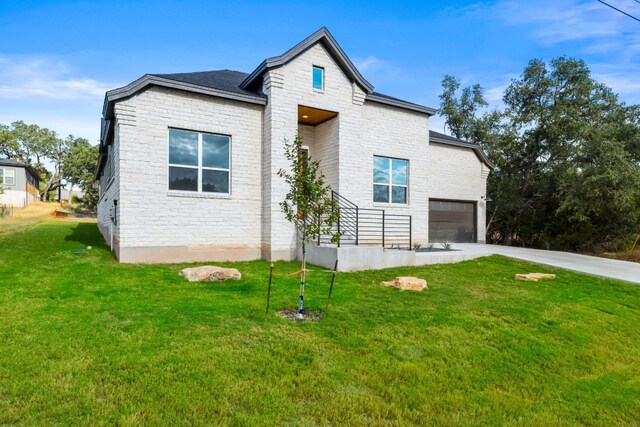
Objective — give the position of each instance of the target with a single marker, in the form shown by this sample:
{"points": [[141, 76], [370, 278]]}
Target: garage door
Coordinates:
{"points": [[452, 221]]}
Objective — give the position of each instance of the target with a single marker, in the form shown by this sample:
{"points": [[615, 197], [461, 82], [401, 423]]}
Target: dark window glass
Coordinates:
{"points": [[185, 179], [215, 151], [399, 194], [183, 147], [215, 181], [381, 193]]}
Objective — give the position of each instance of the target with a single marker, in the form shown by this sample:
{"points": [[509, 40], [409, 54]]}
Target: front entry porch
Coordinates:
{"points": [[356, 258]]}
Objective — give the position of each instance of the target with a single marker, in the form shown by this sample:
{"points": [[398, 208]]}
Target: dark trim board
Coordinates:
{"points": [[461, 237]]}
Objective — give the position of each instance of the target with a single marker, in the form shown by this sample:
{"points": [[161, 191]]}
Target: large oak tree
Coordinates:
{"points": [[567, 157]]}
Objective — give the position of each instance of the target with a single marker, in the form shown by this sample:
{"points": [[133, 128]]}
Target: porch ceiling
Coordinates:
{"points": [[314, 116]]}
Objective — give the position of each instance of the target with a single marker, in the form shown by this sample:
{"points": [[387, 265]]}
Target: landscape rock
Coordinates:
{"points": [[210, 273], [407, 284], [534, 277]]}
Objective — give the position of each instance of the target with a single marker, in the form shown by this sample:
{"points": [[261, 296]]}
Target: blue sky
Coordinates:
{"points": [[57, 58]]}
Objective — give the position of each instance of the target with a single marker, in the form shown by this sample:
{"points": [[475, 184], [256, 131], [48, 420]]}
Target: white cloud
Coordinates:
{"points": [[621, 78], [377, 67], [561, 21], [46, 77], [366, 63], [494, 94]]}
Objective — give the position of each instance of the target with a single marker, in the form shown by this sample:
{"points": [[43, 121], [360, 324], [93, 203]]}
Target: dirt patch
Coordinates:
{"points": [[309, 316], [624, 256]]}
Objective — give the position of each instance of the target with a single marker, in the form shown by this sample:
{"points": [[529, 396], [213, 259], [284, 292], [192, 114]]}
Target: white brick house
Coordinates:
{"points": [[189, 162]]}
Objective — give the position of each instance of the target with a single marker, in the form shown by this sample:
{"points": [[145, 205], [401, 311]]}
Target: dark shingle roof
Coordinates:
{"points": [[386, 99], [438, 135], [227, 80], [18, 164], [441, 138]]}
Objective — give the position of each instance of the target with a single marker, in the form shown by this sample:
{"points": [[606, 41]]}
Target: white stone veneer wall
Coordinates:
{"points": [[157, 224], [456, 173], [110, 193], [362, 129]]}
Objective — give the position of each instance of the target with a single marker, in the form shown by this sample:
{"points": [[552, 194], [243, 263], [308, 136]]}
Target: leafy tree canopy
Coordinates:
{"points": [[48, 154], [567, 155]]}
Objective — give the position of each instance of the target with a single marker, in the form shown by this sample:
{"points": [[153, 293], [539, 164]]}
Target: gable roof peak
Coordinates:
{"points": [[322, 36]]}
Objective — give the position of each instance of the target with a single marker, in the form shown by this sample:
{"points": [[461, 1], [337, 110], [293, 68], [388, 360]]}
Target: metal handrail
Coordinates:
{"points": [[372, 227]]}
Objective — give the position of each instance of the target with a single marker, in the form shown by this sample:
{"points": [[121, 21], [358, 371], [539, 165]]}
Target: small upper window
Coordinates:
{"points": [[318, 78], [7, 176]]}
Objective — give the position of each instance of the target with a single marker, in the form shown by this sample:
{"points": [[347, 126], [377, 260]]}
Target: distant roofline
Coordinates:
{"points": [[440, 138], [19, 164]]}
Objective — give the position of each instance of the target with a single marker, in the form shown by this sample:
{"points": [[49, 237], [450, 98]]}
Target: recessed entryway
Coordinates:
{"points": [[314, 116], [452, 221]]}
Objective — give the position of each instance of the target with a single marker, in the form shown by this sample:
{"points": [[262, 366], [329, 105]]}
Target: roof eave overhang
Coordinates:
{"points": [[401, 104], [151, 80], [146, 81], [482, 156], [25, 166], [321, 36]]}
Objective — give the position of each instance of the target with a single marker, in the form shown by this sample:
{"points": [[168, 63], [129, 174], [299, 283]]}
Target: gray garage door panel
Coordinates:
{"points": [[452, 221]]}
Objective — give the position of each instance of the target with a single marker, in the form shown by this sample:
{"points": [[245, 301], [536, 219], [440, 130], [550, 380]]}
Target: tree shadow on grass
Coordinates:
{"points": [[87, 234]]}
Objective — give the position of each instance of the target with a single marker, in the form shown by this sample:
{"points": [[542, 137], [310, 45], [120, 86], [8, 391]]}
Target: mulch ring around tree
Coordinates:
{"points": [[309, 316]]}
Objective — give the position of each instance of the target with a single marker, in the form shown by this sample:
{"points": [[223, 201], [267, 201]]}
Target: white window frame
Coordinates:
{"points": [[199, 167], [4, 176], [313, 67], [390, 184]]}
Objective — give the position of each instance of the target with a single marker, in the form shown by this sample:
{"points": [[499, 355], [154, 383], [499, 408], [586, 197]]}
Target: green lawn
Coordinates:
{"points": [[85, 340]]}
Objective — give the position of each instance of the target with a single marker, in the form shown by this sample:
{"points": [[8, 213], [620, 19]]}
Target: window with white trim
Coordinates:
{"points": [[199, 162], [390, 180], [7, 176]]}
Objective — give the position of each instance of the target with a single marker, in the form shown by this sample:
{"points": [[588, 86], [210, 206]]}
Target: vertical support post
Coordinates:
{"points": [[410, 228], [319, 229], [383, 229], [340, 235], [357, 226], [333, 278], [269, 288]]}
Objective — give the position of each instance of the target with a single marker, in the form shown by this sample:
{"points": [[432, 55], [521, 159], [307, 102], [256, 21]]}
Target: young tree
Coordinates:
{"points": [[308, 204]]}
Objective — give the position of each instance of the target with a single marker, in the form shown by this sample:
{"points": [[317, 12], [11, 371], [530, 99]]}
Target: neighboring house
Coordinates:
{"points": [[20, 183], [189, 162]]}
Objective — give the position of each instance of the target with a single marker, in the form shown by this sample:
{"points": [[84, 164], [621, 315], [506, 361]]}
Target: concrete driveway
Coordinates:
{"points": [[610, 268]]}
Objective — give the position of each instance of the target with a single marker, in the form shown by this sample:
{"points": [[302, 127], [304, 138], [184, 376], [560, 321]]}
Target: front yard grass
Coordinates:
{"points": [[85, 340]]}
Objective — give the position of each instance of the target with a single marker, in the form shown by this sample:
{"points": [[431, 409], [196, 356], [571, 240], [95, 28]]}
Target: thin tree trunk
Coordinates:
{"points": [[303, 277], [303, 272]]}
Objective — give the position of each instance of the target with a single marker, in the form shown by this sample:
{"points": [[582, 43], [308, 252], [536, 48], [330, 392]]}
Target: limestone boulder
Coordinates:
{"points": [[210, 273], [407, 284], [534, 277]]}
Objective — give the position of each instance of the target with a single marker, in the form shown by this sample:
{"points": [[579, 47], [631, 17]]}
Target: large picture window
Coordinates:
{"points": [[7, 176], [390, 180], [199, 162]]}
